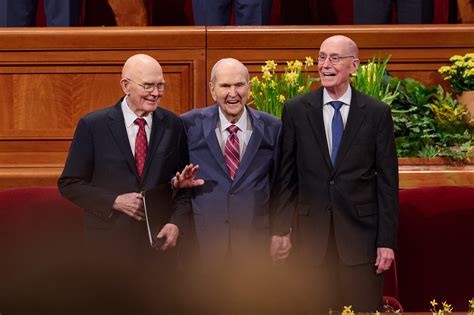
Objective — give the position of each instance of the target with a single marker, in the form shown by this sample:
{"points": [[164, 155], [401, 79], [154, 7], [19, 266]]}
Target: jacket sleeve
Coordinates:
{"points": [[286, 186], [387, 183], [75, 182]]}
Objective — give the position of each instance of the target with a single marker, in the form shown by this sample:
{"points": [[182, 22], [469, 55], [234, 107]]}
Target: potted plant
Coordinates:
{"points": [[460, 75]]}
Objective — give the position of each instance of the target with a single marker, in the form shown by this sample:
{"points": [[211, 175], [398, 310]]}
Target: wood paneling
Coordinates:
{"points": [[50, 77]]}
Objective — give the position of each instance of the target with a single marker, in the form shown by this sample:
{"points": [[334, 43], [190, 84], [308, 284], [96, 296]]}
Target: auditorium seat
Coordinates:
{"points": [[436, 247], [40, 242]]}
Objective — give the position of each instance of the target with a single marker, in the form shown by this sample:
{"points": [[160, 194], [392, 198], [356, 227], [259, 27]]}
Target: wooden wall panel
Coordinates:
{"points": [[50, 77]]}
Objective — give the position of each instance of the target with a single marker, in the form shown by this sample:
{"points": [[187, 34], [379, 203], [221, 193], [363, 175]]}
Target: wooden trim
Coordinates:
{"points": [[102, 38]]}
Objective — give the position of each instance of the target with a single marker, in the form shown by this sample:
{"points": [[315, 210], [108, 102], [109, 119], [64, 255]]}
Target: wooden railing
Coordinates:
{"points": [[50, 77]]}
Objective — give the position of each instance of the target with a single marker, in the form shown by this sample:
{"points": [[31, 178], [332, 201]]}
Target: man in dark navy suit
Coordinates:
{"points": [[116, 153], [339, 170]]}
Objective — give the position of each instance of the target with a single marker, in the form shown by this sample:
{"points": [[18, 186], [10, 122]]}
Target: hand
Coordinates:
{"points": [[280, 247], [131, 204], [185, 179], [170, 232], [385, 257]]}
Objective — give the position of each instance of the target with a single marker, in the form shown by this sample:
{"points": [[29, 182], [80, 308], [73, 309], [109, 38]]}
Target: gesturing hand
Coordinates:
{"points": [[186, 179]]}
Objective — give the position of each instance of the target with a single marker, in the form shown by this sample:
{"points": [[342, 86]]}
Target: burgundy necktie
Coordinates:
{"points": [[141, 145], [232, 150]]}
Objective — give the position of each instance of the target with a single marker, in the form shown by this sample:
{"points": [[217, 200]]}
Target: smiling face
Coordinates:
{"points": [[139, 70], [230, 87], [336, 77]]}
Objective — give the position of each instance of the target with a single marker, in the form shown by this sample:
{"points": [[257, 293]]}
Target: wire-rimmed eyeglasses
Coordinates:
{"points": [[150, 87], [334, 59]]}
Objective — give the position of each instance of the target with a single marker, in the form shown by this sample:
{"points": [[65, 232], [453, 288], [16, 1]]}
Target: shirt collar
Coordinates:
{"points": [[130, 116], [345, 98], [241, 123]]}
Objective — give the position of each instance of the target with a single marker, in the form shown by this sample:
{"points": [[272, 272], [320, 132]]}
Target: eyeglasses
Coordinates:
{"points": [[334, 60], [150, 87]]}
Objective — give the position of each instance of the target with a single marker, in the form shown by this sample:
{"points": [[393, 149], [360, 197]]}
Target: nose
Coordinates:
{"points": [[155, 91], [233, 90], [326, 61]]}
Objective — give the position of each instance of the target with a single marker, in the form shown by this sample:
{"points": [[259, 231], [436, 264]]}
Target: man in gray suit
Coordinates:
{"points": [[339, 170]]}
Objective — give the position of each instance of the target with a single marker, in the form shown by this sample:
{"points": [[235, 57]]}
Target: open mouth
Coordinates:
{"points": [[328, 74], [233, 102]]}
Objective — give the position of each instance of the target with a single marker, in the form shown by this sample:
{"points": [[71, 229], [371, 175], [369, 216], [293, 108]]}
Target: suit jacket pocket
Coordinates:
{"points": [[367, 209]]}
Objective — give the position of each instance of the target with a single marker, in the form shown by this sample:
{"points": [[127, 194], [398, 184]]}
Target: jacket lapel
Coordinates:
{"points": [[315, 116], [209, 125], [253, 145], [157, 131], [116, 125], [357, 113]]}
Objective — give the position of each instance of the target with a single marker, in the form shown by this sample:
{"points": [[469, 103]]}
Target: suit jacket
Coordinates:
{"points": [[100, 166], [232, 216], [360, 192]]}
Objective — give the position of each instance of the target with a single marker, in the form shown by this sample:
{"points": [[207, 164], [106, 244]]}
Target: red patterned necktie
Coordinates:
{"points": [[232, 150], [141, 145]]}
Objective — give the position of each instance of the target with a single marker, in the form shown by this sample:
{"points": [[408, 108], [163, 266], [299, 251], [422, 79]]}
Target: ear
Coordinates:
{"points": [[355, 65], [125, 86], [212, 88]]}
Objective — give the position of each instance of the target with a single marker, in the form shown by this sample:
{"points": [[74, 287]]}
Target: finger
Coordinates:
{"points": [[194, 170], [198, 182], [377, 260], [138, 215], [168, 243]]}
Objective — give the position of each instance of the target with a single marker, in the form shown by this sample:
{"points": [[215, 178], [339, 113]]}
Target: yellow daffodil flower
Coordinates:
{"points": [[271, 64], [309, 62]]}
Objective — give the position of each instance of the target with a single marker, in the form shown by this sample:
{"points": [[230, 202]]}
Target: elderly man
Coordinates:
{"points": [[237, 150], [339, 169], [118, 152]]}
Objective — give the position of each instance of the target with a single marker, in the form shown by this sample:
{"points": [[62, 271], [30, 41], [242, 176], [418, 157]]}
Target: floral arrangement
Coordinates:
{"points": [[460, 73], [370, 79], [446, 308], [470, 310], [270, 93]]}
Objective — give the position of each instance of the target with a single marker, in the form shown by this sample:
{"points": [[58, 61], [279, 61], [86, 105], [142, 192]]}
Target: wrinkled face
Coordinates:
{"points": [[231, 90], [140, 101], [336, 77]]}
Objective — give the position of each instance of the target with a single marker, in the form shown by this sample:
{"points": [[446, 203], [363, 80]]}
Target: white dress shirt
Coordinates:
{"points": [[132, 128], [244, 132], [328, 113]]}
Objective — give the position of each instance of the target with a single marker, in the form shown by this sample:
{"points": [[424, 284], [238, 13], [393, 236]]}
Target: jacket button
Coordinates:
{"points": [[331, 182], [226, 221], [329, 208]]}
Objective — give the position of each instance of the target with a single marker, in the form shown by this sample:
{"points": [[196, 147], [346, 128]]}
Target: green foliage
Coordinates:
{"points": [[429, 123], [369, 79]]}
